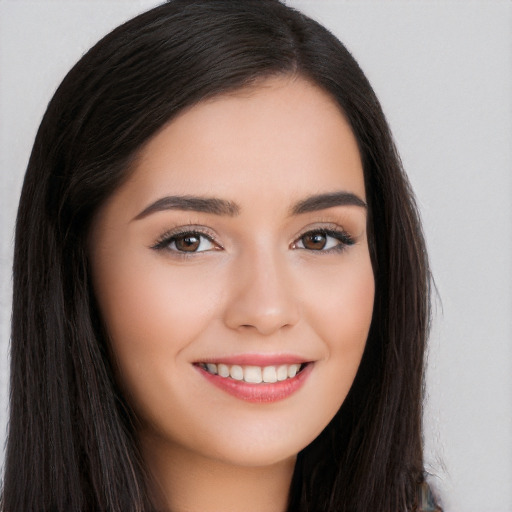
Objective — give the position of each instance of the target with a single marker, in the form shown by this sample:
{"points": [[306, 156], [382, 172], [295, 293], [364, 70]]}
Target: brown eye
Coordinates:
{"points": [[187, 242], [314, 241], [324, 241]]}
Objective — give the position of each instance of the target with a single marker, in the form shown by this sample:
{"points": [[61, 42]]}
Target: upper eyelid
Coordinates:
{"points": [[325, 227], [327, 231], [344, 237]]}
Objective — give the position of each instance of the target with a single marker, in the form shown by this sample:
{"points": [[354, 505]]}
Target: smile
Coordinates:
{"points": [[257, 384], [254, 374]]}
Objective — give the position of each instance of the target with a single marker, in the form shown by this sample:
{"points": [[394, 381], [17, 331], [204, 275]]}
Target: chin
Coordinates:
{"points": [[257, 455]]}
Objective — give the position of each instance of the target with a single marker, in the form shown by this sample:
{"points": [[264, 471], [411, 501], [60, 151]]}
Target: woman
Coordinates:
{"points": [[221, 291]]}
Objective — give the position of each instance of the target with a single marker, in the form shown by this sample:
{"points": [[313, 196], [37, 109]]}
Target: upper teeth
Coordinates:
{"points": [[253, 374]]}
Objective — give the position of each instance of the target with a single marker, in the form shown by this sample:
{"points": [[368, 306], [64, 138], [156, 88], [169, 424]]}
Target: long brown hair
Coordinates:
{"points": [[71, 443]]}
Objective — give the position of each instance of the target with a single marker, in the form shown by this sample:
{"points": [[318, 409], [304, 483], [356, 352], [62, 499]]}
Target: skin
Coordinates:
{"points": [[256, 288]]}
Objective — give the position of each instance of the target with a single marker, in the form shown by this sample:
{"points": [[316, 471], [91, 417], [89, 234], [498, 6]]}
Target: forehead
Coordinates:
{"points": [[281, 137]]}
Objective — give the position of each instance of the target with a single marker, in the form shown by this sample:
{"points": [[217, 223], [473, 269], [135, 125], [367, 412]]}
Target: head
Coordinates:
{"points": [[111, 108]]}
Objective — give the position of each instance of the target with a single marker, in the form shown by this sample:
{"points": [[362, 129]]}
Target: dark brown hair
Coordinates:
{"points": [[71, 443]]}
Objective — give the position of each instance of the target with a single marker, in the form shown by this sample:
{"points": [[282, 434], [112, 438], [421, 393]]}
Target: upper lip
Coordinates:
{"points": [[256, 359]]}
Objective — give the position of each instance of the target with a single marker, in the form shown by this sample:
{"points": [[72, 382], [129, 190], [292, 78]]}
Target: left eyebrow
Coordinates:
{"points": [[191, 203], [324, 201]]}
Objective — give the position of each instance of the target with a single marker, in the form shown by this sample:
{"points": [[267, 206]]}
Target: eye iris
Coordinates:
{"points": [[314, 241], [187, 243]]}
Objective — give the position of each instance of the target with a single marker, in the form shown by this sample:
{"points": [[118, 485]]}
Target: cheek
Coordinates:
{"points": [[152, 312], [341, 315], [341, 301]]}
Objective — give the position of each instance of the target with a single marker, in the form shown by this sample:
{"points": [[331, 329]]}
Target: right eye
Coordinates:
{"points": [[187, 242]]}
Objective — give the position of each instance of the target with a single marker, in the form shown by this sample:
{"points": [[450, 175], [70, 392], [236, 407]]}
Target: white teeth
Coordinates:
{"points": [[293, 369], [282, 372], [223, 370], [269, 374], [253, 374], [236, 372]]}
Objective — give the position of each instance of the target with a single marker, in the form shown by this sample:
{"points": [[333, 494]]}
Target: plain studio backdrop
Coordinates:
{"points": [[443, 73]]}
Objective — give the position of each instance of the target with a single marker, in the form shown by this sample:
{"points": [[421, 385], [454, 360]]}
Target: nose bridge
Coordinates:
{"points": [[262, 297]]}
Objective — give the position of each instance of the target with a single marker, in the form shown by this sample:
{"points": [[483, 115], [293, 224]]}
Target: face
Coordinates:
{"points": [[233, 274]]}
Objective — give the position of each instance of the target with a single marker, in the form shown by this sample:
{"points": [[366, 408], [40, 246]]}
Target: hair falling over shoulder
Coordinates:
{"points": [[71, 438]]}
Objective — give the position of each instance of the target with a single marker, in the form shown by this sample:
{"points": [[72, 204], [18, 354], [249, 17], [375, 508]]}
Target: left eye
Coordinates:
{"points": [[189, 242], [323, 241]]}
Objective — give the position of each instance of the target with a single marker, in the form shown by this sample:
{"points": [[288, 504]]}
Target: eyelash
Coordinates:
{"points": [[345, 240], [169, 237]]}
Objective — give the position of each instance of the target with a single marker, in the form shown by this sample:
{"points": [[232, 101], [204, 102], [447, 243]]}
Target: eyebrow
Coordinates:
{"points": [[324, 201], [217, 206], [191, 203]]}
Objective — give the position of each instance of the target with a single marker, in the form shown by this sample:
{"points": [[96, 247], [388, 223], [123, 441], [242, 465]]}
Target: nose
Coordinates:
{"points": [[262, 297]]}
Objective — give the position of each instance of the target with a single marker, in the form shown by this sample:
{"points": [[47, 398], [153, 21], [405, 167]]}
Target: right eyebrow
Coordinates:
{"points": [[211, 205], [329, 200]]}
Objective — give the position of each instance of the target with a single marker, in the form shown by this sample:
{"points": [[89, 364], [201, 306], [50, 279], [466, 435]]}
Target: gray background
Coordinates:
{"points": [[443, 72]]}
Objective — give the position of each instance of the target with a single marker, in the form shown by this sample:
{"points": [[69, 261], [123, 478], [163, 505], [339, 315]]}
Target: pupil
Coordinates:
{"points": [[188, 243], [316, 241]]}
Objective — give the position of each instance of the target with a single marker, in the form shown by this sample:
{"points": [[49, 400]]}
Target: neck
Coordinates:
{"points": [[185, 481]]}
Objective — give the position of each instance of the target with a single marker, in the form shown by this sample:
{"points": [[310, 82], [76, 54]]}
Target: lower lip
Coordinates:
{"points": [[259, 393]]}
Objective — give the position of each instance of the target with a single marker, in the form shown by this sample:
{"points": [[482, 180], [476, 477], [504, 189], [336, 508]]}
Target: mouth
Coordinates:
{"points": [[254, 374], [257, 384]]}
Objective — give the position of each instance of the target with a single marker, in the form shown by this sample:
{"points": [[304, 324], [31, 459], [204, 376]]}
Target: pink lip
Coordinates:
{"points": [[258, 393], [257, 359]]}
